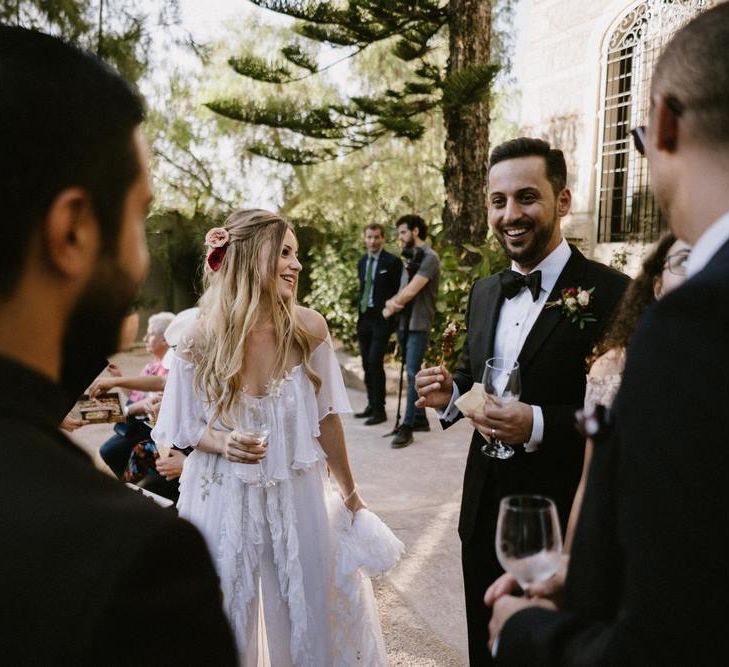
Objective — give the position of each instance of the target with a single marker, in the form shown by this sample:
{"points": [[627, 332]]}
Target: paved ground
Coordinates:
{"points": [[417, 492]]}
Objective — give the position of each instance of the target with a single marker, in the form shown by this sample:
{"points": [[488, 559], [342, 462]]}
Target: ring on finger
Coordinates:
{"points": [[493, 432]]}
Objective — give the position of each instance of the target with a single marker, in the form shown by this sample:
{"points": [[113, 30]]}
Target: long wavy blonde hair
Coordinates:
{"points": [[230, 306]]}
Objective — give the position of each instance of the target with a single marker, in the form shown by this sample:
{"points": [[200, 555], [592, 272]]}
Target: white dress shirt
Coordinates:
{"points": [[516, 319], [708, 245]]}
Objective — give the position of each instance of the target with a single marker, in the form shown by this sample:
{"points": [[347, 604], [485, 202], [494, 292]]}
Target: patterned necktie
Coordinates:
{"points": [[365, 300], [513, 282]]}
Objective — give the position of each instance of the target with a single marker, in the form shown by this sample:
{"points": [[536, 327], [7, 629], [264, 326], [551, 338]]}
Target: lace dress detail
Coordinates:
{"points": [[287, 527], [604, 379]]}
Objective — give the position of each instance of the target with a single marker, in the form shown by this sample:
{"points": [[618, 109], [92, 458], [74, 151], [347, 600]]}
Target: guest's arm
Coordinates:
{"points": [[331, 439], [404, 296], [137, 382]]}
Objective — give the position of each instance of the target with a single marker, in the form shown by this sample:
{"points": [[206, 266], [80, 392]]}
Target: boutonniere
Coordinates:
{"points": [[575, 304]]}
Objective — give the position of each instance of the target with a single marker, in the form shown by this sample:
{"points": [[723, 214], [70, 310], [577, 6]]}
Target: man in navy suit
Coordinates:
{"points": [[509, 316], [649, 554], [379, 279]]}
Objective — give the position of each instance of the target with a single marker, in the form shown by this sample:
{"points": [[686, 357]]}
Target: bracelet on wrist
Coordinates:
{"points": [[351, 495]]}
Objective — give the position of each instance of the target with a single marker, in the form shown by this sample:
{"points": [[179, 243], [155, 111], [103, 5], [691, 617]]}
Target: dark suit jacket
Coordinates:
{"points": [[91, 573], [552, 364], [649, 557], [386, 280]]}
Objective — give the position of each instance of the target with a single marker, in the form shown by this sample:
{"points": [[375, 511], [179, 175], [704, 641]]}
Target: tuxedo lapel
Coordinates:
{"points": [[549, 318], [483, 323]]}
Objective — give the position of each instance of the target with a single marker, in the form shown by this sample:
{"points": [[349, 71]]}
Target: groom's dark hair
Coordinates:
{"points": [[555, 166]]}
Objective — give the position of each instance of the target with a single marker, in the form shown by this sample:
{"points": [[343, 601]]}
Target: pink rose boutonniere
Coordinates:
{"points": [[575, 304], [216, 240]]}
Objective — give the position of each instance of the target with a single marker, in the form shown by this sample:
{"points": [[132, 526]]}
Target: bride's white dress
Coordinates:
{"points": [[279, 535]]}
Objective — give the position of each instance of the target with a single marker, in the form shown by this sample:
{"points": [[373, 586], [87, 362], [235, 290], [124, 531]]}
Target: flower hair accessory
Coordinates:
{"points": [[575, 304], [216, 240]]}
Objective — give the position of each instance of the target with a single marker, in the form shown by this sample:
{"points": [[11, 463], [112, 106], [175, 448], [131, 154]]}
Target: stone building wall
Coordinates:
{"points": [[559, 70]]}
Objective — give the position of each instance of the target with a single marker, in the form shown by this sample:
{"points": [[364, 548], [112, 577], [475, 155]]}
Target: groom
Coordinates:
{"points": [[509, 315]]}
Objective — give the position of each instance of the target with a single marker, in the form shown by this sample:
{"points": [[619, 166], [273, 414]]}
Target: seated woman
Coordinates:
{"points": [[116, 451]]}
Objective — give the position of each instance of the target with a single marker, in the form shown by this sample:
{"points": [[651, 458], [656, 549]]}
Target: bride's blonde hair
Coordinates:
{"points": [[229, 309]]}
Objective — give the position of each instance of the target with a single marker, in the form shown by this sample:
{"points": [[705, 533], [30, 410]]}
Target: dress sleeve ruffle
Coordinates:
{"points": [[182, 419], [332, 397]]}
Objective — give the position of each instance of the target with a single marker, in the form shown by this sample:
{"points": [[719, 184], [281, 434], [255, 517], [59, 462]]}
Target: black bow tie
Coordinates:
{"points": [[512, 283]]}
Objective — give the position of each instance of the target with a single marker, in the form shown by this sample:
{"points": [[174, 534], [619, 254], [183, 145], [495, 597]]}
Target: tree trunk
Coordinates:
{"points": [[467, 128]]}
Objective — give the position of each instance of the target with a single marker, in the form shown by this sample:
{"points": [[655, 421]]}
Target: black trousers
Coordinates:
{"points": [[373, 334], [480, 570]]}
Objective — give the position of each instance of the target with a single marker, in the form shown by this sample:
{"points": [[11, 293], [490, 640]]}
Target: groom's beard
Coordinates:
{"points": [[93, 329]]}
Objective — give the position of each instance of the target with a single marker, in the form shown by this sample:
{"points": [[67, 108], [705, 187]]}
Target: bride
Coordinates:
{"points": [[286, 549]]}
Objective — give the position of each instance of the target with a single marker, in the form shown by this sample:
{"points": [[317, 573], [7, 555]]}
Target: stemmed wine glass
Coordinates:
{"points": [[501, 381], [528, 539], [254, 424]]}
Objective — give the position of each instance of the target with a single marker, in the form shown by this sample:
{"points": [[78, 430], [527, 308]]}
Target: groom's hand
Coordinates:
{"points": [[511, 423], [434, 386]]}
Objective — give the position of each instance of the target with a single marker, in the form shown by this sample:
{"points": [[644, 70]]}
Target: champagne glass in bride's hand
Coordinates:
{"points": [[528, 539], [502, 383], [254, 425]]}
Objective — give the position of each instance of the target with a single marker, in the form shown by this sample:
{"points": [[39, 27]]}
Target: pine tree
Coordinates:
{"points": [[118, 31], [413, 29]]}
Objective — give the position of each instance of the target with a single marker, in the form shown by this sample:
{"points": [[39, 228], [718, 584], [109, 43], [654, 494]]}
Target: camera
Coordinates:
{"points": [[414, 257]]}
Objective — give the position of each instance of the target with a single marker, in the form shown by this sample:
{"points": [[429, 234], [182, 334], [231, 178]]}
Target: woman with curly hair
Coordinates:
{"points": [[258, 491]]}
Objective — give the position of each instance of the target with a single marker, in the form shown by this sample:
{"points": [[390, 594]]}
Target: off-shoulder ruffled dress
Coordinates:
{"points": [[279, 536]]}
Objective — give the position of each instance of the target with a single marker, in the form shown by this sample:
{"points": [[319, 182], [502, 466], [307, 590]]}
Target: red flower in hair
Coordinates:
{"points": [[215, 258], [216, 240]]}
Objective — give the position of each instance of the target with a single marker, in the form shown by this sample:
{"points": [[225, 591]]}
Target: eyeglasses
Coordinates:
{"points": [[638, 133], [676, 263]]}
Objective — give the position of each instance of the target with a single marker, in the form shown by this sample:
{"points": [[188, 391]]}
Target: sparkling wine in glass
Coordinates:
{"points": [[254, 424], [501, 381], [528, 539]]}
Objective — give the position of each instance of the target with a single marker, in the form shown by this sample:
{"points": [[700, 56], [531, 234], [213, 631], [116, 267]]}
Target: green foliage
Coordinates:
{"points": [[411, 33], [121, 33], [333, 276], [176, 250], [318, 123], [259, 69], [456, 279], [467, 85], [295, 54]]}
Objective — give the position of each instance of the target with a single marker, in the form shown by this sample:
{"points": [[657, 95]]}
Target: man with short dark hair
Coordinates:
{"points": [[416, 304], [84, 561], [648, 556], [510, 315], [379, 279]]}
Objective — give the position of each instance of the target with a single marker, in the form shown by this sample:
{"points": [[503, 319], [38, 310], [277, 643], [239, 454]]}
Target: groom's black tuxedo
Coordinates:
{"points": [[649, 557], [553, 369]]}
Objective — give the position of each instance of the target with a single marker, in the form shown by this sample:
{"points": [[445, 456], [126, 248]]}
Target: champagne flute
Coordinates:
{"points": [[528, 539], [254, 424], [501, 381]]}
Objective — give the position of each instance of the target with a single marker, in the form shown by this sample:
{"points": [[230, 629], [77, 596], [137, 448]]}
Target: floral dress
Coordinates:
{"points": [[286, 549]]}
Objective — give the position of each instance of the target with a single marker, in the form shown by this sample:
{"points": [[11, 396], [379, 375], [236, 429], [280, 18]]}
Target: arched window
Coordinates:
{"points": [[627, 210]]}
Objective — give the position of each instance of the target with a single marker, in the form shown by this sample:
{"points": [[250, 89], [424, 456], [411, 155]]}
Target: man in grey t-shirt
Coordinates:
{"points": [[416, 304]]}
